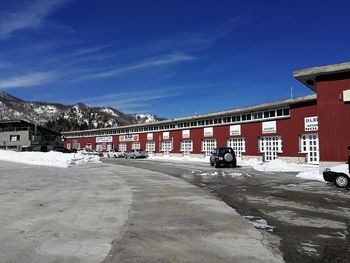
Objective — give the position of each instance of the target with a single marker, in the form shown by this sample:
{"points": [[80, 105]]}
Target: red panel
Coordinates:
{"points": [[334, 118]]}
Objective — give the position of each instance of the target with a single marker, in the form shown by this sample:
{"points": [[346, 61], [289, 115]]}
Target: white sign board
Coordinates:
{"points": [[208, 131], [149, 136], [235, 130], [311, 123], [166, 136], [129, 138], [346, 95], [186, 134], [104, 139], [269, 127]]}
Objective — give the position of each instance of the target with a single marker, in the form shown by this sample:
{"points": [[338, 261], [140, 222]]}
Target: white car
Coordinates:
{"points": [[88, 151], [115, 154]]}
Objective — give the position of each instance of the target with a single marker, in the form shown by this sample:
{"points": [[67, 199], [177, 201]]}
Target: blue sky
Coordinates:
{"points": [[169, 58]]}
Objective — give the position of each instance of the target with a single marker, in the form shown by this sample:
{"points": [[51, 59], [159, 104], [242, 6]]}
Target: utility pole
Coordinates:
{"points": [[291, 92]]}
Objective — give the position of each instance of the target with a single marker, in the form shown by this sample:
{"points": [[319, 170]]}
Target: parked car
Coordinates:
{"points": [[223, 156], [136, 154], [89, 151], [338, 174], [115, 154]]}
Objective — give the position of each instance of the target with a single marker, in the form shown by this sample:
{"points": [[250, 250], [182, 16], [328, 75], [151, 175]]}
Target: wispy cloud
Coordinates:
{"points": [[28, 14], [134, 101], [148, 63], [28, 80]]}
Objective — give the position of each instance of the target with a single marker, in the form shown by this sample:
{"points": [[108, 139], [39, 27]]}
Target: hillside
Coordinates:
{"points": [[60, 117]]}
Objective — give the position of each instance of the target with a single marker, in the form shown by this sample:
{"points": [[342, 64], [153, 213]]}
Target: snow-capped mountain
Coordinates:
{"points": [[62, 117]]}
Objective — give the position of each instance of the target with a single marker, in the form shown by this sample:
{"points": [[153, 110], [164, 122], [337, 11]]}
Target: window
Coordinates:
{"points": [[122, 147], [15, 138], [135, 146], [286, 112]]}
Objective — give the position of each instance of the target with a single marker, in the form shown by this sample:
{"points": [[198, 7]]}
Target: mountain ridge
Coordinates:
{"points": [[62, 117]]}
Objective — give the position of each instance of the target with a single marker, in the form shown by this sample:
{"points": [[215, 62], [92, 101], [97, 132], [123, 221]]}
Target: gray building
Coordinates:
{"points": [[20, 135]]}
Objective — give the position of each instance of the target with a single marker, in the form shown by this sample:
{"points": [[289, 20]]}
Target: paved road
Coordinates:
{"points": [[311, 219], [115, 213]]}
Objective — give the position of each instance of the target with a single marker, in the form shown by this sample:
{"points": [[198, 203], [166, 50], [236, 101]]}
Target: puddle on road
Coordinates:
{"points": [[219, 176]]}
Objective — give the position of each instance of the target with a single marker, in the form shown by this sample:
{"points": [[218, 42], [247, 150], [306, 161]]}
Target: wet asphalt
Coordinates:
{"points": [[310, 219]]}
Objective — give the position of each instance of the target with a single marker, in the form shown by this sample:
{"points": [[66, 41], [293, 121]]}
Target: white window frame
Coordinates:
{"points": [[166, 147], [208, 145], [150, 146], [270, 146], [309, 145], [135, 146], [122, 147], [237, 144], [186, 146]]}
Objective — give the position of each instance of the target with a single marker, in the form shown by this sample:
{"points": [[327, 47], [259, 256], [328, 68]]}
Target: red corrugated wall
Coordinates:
{"points": [[290, 129], [334, 117]]}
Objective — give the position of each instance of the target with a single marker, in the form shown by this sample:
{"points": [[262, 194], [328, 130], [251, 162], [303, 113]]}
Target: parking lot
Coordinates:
{"points": [[307, 220], [115, 213]]}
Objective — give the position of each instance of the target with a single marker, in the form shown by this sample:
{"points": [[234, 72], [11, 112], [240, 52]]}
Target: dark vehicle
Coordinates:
{"points": [[223, 156]]}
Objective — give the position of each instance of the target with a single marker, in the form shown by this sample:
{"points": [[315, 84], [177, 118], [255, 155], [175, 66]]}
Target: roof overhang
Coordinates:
{"points": [[308, 76], [275, 104]]}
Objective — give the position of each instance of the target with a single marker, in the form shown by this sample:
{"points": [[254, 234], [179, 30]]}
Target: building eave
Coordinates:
{"points": [[308, 76]]}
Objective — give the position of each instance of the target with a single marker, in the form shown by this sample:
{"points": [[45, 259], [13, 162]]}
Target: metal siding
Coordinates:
{"points": [[334, 119]]}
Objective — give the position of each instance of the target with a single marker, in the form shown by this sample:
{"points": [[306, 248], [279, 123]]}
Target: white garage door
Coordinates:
{"points": [[270, 146], [186, 147], [166, 147], [237, 144], [208, 146]]}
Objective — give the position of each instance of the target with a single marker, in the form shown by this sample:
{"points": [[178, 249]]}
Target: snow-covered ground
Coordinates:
{"points": [[305, 171], [55, 159]]}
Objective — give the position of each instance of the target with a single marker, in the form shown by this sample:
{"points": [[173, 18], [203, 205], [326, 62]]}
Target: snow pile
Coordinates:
{"points": [[248, 162], [311, 174], [278, 165], [308, 172], [259, 223], [54, 159], [184, 158]]}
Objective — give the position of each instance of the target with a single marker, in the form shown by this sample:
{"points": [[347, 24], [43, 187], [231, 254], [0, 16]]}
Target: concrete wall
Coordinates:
{"points": [[6, 143]]}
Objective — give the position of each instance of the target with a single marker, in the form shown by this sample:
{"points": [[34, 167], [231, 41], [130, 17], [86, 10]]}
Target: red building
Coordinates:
{"points": [[332, 85], [267, 130], [306, 129]]}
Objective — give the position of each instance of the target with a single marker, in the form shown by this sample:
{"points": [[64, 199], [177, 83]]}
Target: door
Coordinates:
{"points": [[150, 148], [310, 146], [166, 147], [186, 147], [237, 144], [208, 146], [270, 146]]}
